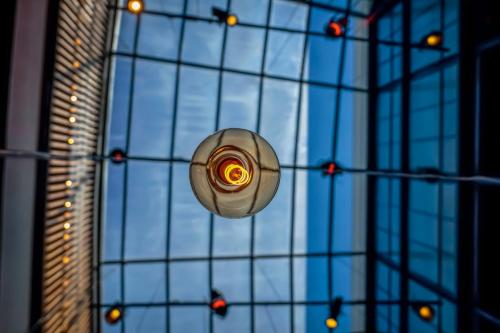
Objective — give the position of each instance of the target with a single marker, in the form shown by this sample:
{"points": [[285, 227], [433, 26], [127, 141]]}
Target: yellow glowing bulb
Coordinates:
{"points": [[115, 314], [68, 183], [434, 40], [331, 323], [232, 20], [71, 141], [73, 98], [66, 237], [425, 312], [76, 64], [65, 260], [67, 204], [67, 225], [72, 119], [135, 6], [236, 175]]}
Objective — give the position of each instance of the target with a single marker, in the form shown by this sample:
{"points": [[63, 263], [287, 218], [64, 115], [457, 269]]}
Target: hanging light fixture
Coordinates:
{"points": [[424, 311], [218, 303], [224, 16], [336, 27], [135, 6], [335, 307], [234, 173], [113, 315]]}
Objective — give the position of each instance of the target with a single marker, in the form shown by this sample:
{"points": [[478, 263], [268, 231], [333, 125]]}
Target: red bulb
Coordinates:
{"points": [[218, 303], [335, 28]]}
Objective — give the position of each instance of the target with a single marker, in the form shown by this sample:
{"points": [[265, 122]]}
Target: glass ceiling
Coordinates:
{"points": [[177, 76]]}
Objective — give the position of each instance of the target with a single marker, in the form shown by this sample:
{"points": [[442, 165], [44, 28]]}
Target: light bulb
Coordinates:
{"points": [[135, 6], [234, 173], [232, 20]]}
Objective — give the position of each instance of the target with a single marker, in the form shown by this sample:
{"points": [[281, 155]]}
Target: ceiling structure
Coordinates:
{"points": [[177, 76]]}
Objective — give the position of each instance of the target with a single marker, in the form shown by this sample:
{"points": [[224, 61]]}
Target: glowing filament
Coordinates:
{"points": [[235, 174]]}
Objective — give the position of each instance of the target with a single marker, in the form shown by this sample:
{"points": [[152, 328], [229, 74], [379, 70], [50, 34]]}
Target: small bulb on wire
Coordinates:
{"points": [[65, 260], [78, 41], [76, 64], [66, 237], [71, 141], [73, 98], [72, 119], [67, 204], [424, 311], [135, 6], [67, 225], [68, 183], [113, 315]]}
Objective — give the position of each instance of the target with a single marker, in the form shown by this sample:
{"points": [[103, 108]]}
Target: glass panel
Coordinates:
{"points": [[271, 278], [125, 30], [287, 14], [189, 319], [202, 43], [240, 101], [196, 110], [159, 36], [284, 54], [188, 281], [279, 109], [151, 127], [144, 283], [272, 319], [146, 210], [237, 320], [112, 229], [189, 220], [233, 278], [309, 279], [251, 11], [110, 284], [244, 47], [145, 320]]}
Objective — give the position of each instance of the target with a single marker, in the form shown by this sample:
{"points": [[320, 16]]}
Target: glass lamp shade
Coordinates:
{"points": [[234, 173]]}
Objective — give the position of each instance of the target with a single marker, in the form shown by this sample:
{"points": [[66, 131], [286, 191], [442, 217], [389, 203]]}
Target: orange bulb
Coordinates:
{"points": [[76, 64], [232, 20], [78, 41], [65, 260], [135, 6], [331, 323], [72, 110], [425, 312], [66, 237], [434, 40]]}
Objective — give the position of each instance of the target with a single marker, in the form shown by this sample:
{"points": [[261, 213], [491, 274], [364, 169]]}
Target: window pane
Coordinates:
{"points": [[144, 283], [189, 319], [189, 281], [196, 109], [244, 47], [189, 224], [146, 210], [159, 36], [240, 100], [284, 54], [232, 277], [151, 127], [145, 320], [112, 230], [251, 11], [202, 43], [271, 277]]}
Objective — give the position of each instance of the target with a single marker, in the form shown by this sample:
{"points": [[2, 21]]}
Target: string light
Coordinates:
{"points": [[67, 225], [433, 39], [74, 87], [71, 141], [118, 156], [113, 315], [224, 16], [424, 311], [73, 98], [218, 303], [135, 6], [65, 260], [68, 183], [67, 204], [72, 119], [76, 64], [336, 27], [65, 283], [78, 41], [66, 237], [335, 307], [72, 109]]}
